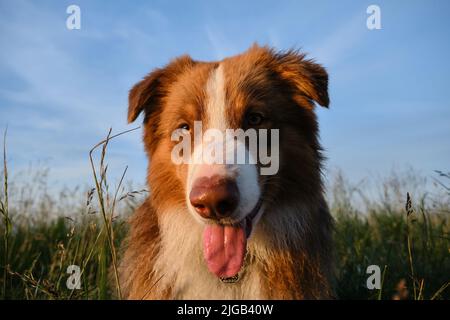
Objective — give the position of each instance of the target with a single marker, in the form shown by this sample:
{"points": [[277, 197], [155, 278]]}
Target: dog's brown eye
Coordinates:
{"points": [[254, 119], [184, 126]]}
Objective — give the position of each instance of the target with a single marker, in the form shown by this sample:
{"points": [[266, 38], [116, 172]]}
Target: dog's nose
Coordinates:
{"points": [[214, 198]]}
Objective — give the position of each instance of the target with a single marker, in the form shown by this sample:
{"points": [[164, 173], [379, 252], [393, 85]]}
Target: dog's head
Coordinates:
{"points": [[229, 140]]}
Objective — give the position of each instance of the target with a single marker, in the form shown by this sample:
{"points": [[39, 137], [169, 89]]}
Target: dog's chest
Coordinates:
{"points": [[182, 268]]}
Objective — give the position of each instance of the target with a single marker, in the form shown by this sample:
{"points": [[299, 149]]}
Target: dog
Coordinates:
{"points": [[225, 231]]}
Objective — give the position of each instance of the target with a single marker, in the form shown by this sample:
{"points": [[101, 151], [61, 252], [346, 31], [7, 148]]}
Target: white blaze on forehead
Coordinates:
{"points": [[215, 99], [245, 174]]}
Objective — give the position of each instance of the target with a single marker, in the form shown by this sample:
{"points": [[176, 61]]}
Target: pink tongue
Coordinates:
{"points": [[224, 249]]}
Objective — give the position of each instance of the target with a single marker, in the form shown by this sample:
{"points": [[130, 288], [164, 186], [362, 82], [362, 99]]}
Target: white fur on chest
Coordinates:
{"points": [[181, 266]]}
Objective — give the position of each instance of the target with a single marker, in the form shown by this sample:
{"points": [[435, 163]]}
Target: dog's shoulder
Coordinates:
{"points": [[139, 251]]}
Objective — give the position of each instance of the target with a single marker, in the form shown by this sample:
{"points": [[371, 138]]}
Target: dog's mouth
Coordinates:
{"points": [[225, 246]]}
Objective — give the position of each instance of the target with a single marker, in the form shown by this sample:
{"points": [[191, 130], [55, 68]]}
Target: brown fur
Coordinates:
{"points": [[284, 85]]}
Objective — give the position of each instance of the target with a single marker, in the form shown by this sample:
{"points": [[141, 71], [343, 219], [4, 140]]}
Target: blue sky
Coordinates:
{"points": [[61, 90]]}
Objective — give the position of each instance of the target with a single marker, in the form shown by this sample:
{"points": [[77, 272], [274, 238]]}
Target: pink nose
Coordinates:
{"points": [[214, 197]]}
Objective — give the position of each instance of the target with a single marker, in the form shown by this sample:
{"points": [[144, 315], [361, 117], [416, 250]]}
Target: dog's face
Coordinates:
{"points": [[192, 110]]}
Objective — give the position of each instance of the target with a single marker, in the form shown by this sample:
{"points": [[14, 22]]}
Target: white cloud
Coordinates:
{"points": [[64, 105], [332, 50]]}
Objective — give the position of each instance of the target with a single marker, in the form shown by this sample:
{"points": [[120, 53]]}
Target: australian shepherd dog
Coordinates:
{"points": [[222, 225]]}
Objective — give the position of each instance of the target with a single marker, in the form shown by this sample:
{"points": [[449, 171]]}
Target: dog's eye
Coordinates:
{"points": [[184, 126], [254, 118]]}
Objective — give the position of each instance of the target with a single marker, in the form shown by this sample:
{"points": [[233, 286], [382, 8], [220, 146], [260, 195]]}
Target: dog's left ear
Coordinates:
{"points": [[308, 78]]}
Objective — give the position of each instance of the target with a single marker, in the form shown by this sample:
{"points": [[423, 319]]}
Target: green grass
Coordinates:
{"points": [[381, 238], [43, 232]]}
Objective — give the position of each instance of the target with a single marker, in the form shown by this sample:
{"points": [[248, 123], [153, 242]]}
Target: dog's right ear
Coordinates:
{"points": [[146, 95]]}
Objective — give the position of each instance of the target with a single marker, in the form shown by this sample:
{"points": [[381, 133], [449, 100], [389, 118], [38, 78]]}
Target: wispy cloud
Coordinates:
{"points": [[220, 45], [333, 48], [61, 90], [63, 105]]}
